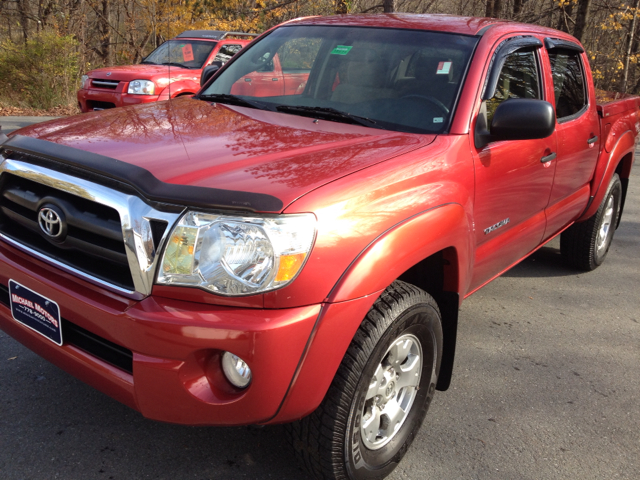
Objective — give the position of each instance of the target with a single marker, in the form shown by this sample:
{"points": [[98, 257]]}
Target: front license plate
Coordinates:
{"points": [[35, 311]]}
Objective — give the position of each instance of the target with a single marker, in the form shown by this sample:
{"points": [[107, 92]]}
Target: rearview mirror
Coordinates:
{"points": [[208, 71]]}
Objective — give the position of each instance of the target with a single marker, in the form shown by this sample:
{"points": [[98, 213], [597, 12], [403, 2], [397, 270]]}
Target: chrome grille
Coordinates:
{"points": [[93, 242], [110, 84], [111, 239]]}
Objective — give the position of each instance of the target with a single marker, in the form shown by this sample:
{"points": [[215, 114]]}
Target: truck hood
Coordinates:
{"points": [[142, 72], [196, 143]]}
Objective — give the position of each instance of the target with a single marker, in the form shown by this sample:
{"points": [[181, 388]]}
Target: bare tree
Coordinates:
{"points": [[582, 17], [494, 8], [630, 42]]}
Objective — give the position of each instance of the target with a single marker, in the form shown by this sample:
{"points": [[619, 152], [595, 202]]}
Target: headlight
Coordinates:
{"points": [[83, 81], [232, 255], [141, 87]]}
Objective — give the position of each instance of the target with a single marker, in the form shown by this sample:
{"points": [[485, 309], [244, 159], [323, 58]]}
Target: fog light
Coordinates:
{"points": [[236, 370]]}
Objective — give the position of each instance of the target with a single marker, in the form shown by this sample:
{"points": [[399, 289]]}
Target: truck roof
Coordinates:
{"points": [[434, 22], [213, 34]]}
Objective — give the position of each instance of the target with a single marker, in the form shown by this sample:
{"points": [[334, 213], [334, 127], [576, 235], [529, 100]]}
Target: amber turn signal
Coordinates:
{"points": [[289, 266]]}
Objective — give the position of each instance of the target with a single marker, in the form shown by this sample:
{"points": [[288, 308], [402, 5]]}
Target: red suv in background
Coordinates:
{"points": [[171, 70]]}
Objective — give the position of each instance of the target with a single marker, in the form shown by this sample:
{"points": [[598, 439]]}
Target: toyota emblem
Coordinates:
{"points": [[108, 74], [51, 221]]}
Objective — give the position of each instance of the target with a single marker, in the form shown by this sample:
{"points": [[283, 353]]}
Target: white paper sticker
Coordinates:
{"points": [[443, 68], [438, 119]]}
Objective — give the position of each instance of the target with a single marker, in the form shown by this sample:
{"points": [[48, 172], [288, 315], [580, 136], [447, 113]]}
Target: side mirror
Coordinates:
{"points": [[518, 119], [208, 71]]}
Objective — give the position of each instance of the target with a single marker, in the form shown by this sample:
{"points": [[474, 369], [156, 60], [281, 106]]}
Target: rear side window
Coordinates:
{"points": [[518, 79], [568, 83], [226, 52]]}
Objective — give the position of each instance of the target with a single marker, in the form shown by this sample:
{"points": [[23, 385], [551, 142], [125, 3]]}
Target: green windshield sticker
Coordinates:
{"points": [[341, 50]]}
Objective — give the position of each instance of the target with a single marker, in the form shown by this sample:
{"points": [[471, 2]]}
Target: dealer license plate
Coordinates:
{"points": [[39, 313]]}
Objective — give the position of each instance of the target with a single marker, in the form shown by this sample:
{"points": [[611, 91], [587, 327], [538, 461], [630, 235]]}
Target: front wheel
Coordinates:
{"points": [[585, 245], [380, 394]]}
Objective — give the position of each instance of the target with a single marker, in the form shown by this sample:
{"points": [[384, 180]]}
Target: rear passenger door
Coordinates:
{"points": [[513, 178], [578, 130]]}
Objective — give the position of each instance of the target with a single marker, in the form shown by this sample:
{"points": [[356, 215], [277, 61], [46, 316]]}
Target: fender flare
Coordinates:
{"points": [[395, 251], [605, 170], [443, 227]]}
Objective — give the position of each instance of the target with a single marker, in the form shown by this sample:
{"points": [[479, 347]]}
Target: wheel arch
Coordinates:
{"points": [[177, 89], [624, 172], [436, 275], [439, 264], [444, 230], [619, 161]]}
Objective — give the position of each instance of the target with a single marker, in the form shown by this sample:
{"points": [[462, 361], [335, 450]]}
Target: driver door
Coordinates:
{"points": [[513, 178]]}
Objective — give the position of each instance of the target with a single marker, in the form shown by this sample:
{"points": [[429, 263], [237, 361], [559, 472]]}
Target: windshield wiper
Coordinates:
{"points": [[148, 63], [327, 113], [233, 100]]}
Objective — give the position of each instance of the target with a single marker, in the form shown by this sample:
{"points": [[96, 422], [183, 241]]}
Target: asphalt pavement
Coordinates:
{"points": [[546, 386]]}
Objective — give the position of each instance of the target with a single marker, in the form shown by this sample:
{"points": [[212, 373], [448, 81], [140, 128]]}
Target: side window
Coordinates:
{"points": [[226, 52], [298, 54], [267, 64], [518, 79], [568, 82]]}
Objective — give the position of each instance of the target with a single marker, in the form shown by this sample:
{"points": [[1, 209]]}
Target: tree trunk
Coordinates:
{"points": [[517, 7], [23, 13], [388, 6], [582, 17], [104, 29], [494, 8], [632, 34]]}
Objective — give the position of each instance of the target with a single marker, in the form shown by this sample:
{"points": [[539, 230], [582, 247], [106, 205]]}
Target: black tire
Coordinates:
{"points": [[585, 245], [404, 321]]}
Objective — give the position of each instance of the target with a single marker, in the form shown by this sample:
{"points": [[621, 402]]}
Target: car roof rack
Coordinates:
{"points": [[213, 34]]}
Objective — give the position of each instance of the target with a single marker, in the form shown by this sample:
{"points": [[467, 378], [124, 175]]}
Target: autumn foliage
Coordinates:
{"points": [[45, 45]]}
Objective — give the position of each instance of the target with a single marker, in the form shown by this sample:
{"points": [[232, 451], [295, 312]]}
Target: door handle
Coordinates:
{"points": [[592, 140], [548, 158]]}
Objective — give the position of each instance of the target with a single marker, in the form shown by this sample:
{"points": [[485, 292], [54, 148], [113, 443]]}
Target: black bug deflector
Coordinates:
{"points": [[140, 179]]}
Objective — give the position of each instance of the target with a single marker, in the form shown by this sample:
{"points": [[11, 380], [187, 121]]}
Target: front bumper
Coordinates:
{"points": [[94, 99], [175, 347]]}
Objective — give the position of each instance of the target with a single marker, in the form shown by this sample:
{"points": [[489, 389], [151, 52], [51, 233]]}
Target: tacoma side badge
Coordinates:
{"points": [[487, 231]]}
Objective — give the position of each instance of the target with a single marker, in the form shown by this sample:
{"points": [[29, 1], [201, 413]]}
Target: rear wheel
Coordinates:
{"points": [[380, 394], [585, 245]]}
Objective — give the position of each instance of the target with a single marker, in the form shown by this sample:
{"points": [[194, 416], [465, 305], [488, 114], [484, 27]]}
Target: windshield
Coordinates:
{"points": [[183, 53], [404, 80]]}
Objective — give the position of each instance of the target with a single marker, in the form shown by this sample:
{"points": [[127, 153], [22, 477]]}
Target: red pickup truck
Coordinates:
{"points": [[171, 70], [251, 257]]}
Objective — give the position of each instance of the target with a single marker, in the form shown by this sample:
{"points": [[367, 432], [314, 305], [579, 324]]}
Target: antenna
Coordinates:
{"points": [[169, 86]]}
